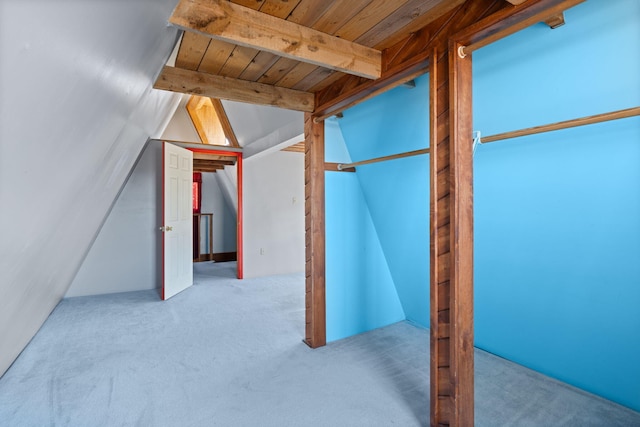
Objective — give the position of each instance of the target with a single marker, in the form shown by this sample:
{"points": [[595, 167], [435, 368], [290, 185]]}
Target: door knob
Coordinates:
{"points": [[167, 228]]}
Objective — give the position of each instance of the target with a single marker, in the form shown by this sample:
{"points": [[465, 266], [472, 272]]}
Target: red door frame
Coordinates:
{"points": [[239, 226]]}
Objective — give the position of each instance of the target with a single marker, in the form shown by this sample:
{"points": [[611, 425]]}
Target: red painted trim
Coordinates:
{"points": [[239, 244], [164, 144], [240, 226]]}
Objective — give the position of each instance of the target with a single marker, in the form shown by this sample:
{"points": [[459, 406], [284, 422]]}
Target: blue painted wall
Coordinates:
{"points": [[360, 294], [557, 265], [397, 191], [557, 215]]}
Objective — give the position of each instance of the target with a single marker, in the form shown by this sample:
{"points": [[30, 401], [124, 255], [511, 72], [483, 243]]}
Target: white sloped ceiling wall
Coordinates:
{"points": [[76, 109]]}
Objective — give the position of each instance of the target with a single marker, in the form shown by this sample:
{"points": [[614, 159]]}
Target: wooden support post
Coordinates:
{"points": [[315, 333], [451, 240]]}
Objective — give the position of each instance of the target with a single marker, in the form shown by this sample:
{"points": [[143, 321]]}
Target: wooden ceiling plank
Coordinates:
{"points": [[412, 17], [401, 17], [263, 61], [331, 79], [242, 57], [307, 12], [296, 74], [368, 17], [203, 84], [349, 90], [279, 8], [337, 15], [226, 124], [238, 61], [332, 19], [227, 21], [278, 70], [258, 66], [215, 57], [313, 78], [192, 48]]}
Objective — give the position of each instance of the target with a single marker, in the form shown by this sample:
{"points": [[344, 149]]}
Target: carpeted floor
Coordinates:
{"points": [[229, 353]]}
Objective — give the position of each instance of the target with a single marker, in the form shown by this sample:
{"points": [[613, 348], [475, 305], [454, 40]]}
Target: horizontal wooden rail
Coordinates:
{"points": [[333, 167], [342, 166], [598, 118]]}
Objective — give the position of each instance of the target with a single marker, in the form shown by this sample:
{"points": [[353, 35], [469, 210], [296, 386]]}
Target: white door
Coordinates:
{"points": [[177, 229]]}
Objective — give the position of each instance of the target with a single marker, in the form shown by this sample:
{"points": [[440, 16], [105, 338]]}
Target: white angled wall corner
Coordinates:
{"points": [[76, 109]]}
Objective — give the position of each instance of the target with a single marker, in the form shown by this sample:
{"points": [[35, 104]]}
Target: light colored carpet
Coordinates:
{"points": [[229, 353]]}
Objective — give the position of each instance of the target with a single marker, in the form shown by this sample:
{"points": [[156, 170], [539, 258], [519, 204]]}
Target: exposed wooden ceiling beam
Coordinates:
{"points": [[197, 83], [511, 20], [205, 156], [226, 21], [214, 162], [404, 61]]}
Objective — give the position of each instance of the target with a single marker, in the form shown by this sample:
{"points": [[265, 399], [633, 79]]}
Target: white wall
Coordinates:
{"points": [[180, 127], [76, 109], [274, 214], [224, 217], [127, 254]]}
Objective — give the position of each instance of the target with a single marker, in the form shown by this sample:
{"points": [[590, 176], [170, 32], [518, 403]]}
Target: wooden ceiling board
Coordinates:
{"points": [[395, 27], [216, 56], [258, 66], [277, 71], [238, 61], [414, 15], [224, 20], [369, 17], [337, 15], [192, 48], [296, 74], [307, 12]]}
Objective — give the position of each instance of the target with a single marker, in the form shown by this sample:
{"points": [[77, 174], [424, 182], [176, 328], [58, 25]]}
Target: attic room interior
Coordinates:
{"points": [[422, 212]]}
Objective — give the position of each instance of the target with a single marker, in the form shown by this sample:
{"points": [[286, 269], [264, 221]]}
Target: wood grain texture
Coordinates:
{"points": [[224, 121], [402, 62], [206, 121], [387, 158], [440, 215], [582, 121], [509, 21], [244, 26], [333, 167], [461, 237], [198, 83], [315, 331]]}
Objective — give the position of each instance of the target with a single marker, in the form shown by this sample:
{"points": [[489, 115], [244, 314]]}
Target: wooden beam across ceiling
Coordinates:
{"points": [[198, 83], [509, 21], [404, 61], [232, 23], [207, 156]]}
